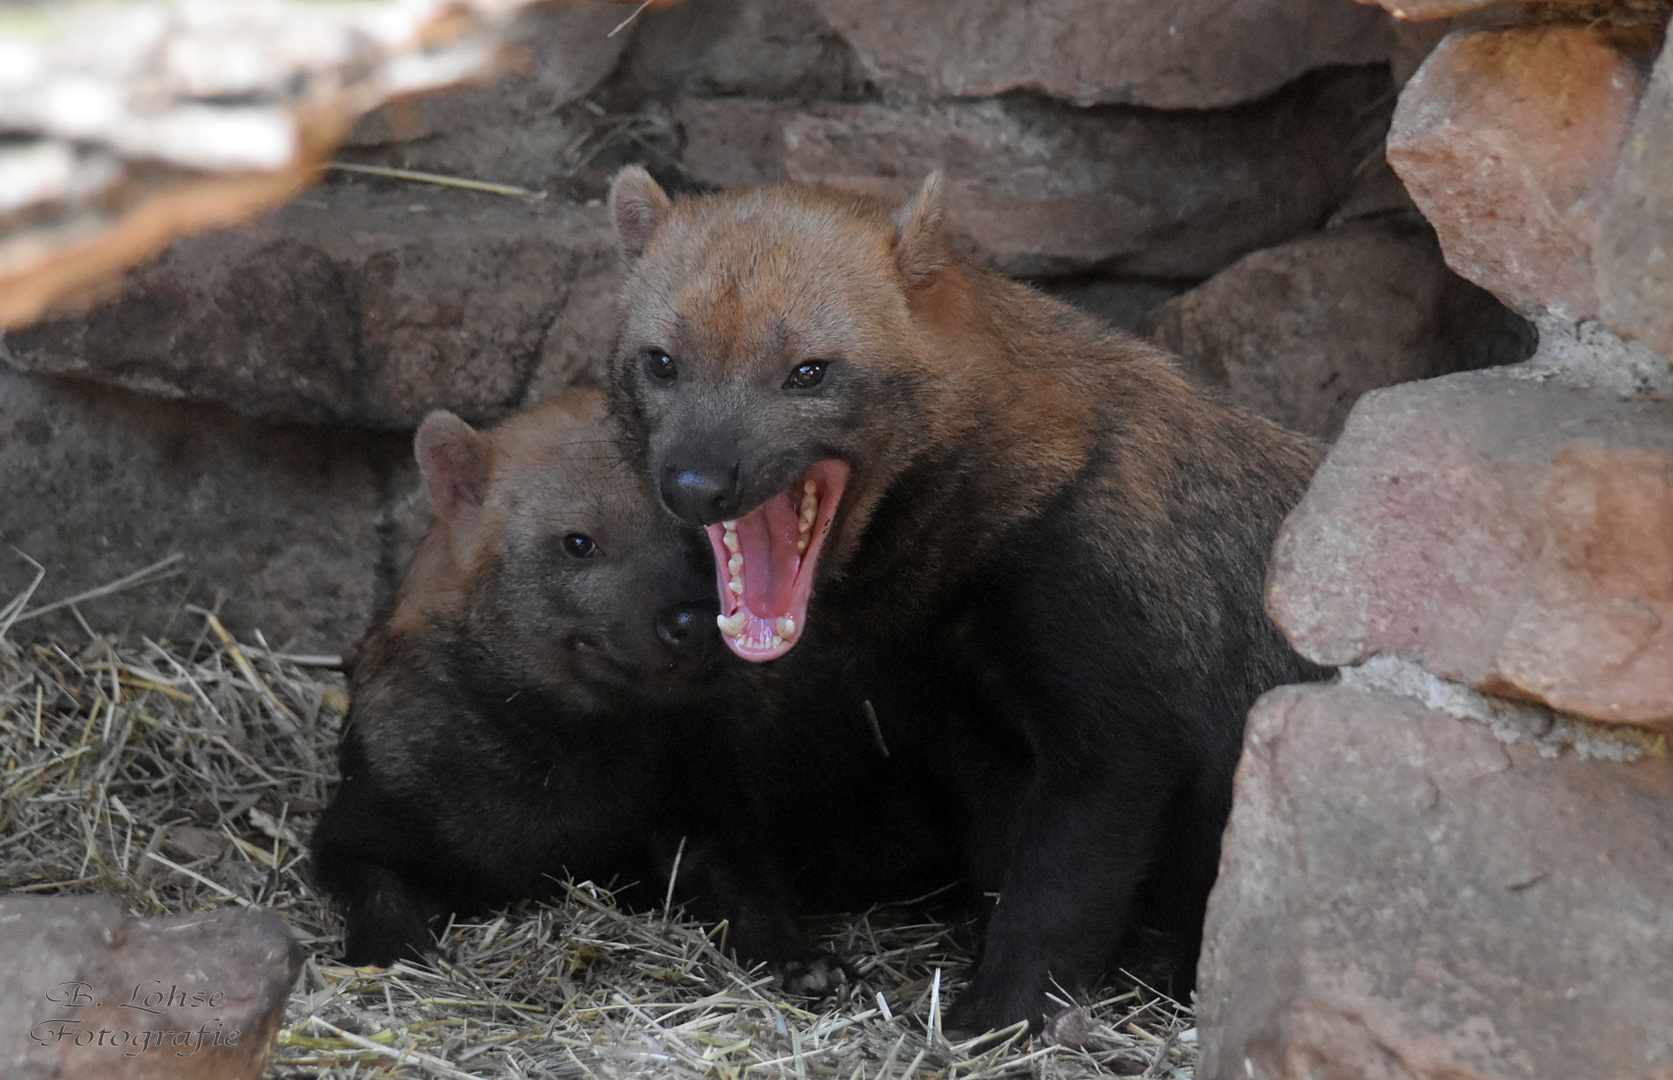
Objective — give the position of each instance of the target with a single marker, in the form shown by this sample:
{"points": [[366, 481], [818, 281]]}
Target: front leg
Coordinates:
{"points": [[386, 916], [1083, 836], [719, 882]]}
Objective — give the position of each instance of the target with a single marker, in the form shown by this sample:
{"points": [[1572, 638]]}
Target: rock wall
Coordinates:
{"points": [[1224, 162], [1456, 861], [1453, 862]]}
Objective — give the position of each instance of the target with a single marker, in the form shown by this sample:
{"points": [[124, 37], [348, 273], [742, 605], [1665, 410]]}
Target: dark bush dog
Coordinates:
{"points": [[1032, 551], [531, 705]]}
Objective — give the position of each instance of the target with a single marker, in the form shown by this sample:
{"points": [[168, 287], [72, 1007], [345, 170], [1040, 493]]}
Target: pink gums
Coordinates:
{"points": [[777, 580]]}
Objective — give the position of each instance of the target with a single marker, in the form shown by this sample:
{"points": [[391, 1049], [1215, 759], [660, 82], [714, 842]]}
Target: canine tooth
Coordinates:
{"points": [[732, 625], [734, 564], [785, 627]]}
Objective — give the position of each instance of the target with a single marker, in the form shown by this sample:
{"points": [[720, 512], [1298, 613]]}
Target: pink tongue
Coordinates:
{"points": [[767, 537]]}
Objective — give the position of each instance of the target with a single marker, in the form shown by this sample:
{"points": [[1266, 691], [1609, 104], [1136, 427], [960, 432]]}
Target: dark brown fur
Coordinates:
{"points": [[1045, 574], [522, 714]]}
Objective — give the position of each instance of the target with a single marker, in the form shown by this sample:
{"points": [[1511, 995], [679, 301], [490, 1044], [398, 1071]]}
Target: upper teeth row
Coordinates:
{"points": [[810, 509]]}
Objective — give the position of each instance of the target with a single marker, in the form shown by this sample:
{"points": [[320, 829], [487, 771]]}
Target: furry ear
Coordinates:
{"points": [[638, 206], [453, 459], [918, 247]]}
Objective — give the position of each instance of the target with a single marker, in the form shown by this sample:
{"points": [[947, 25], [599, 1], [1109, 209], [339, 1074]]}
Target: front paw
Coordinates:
{"points": [[981, 1011], [816, 977]]}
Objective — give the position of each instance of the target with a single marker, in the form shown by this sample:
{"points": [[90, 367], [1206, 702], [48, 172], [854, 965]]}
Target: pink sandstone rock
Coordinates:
{"points": [[1404, 897], [1507, 140], [89, 993], [1635, 249], [1192, 55], [1511, 534]]}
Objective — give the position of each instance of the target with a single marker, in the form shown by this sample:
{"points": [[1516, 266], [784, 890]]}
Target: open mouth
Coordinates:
{"points": [[765, 562]]}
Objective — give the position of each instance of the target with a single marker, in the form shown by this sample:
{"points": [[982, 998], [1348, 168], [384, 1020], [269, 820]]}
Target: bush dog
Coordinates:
{"points": [[531, 706], [1034, 553]]}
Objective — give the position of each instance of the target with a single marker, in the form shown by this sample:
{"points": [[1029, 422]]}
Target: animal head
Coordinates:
{"points": [[773, 371], [551, 554]]}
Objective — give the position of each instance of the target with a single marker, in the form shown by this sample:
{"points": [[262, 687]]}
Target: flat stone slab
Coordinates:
{"points": [[1189, 55], [89, 993], [1041, 188], [365, 303], [1508, 531]]}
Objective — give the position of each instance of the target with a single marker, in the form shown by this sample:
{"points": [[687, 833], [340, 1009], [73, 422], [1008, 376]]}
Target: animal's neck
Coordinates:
{"points": [[1012, 420], [1015, 368]]}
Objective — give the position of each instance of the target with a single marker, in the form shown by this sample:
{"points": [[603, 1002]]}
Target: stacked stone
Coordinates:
{"points": [[1457, 860], [1117, 151]]}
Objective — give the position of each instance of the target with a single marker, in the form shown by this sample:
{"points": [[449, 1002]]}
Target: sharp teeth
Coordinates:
{"points": [[801, 546], [737, 586], [732, 625], [730, 539], [734, 565], [775, 642], [785, 627], [730, 526], [810, 488]]}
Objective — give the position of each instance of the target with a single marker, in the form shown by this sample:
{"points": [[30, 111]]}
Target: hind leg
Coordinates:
{"points": [[721, 884]]}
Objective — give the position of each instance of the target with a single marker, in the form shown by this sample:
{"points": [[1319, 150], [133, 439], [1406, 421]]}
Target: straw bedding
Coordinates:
{"points": [[184, 775]]}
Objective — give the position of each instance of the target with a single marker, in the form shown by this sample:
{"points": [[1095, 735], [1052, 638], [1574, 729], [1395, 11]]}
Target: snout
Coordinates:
{"points": [[688, 630], [700, 494]]}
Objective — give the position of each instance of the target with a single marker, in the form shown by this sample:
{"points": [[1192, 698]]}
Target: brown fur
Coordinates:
{"points": [[521, 714], [1045, 571]]}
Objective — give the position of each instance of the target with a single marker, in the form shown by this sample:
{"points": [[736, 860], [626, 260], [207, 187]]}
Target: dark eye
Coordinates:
{"points": [[579, 546], [806, 376], [660, 366]]}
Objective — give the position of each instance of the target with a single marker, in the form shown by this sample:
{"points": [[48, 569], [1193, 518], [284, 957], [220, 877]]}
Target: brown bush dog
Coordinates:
{"points": [[1022, 539], [534, 704]]}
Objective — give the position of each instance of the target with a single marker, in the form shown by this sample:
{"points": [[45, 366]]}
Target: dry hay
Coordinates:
{"points": [[186, 775]]}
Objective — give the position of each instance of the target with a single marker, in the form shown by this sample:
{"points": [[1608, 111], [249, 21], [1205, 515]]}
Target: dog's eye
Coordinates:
{"points": [[806, 376], [661, 366], [579, 546]]}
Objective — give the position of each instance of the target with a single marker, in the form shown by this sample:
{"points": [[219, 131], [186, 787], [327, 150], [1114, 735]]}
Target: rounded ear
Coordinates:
{"points": [[453, 459], [918, 248], [638, 206]]}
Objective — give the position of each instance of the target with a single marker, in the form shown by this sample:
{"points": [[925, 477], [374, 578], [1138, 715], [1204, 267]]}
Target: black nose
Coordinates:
{"points": [[701, 496], [685, 629]]}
